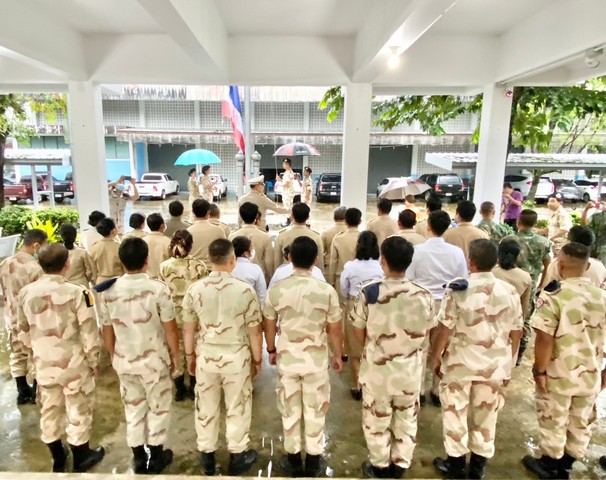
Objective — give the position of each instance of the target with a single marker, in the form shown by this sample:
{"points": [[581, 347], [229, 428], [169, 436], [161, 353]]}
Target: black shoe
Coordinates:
{"points": [[544, 467], [451, 467], [521, 351], [602, 461], [370, 471], [435, 400], [422, 400], [356, 393], [139, 459], [159, 458], [240, 463], [396, 471], [207, 460], [477, 467], [180, 389], [292, 465], [191, 391], [565, 466], [25, 393], [86, 457], [59, 453], [313, 465]]}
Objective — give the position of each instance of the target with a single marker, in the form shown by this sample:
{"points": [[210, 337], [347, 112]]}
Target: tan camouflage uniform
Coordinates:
{"points": [[117, 207], [15, 273], [288, 190], [57, 322], [136, 306], [207, 188], [559, 220], [396, 322], [476, 362], [575, 315], [223, 308], [303, 306]]}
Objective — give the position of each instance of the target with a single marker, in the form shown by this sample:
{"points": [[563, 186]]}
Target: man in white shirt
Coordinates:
{"points": [[434, 264], [246, 270], [286, 270]]}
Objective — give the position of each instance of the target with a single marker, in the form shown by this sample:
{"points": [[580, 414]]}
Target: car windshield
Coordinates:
{"points": [[331, 178], [153, 178]]}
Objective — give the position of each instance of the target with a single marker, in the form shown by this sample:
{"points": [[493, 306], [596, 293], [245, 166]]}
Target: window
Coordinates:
{"points": [[450, 180], [169, 178], [331, 178]]}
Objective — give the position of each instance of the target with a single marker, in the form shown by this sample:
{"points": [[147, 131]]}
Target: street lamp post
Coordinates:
{"points": [[256, 164], [240, 169]]}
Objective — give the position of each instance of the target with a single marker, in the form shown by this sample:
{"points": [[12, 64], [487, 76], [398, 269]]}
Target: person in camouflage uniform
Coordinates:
{"points": [[570, 322], [480, 325], [495, 230], [179, 272], [140, 334], [392, 366], [307, 312], [56, 320], [598, 224], [16, 272], [225, 314]]}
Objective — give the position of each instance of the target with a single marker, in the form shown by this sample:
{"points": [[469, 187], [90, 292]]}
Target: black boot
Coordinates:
{"points": [[370, 471], [521, 351], [191, 391], [180, 390], [451, 467], [396, 471], [292, 465], [159, 458], [59, 453], [240, 463], [565, 466], [140, 459], [207, 460], [603, 461], [85, 457], [435, 399], [25, 393], [544, 467], [477, 466], [313, 465]]}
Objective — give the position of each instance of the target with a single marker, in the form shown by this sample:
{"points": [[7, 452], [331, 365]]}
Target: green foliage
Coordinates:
{"points": [[576, 219], [531, 204], [508, 228], [542, 224], [334, 101], [14, 219], [48, 227]]}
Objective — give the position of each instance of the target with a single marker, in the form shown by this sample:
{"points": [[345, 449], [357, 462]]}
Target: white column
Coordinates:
{"points": [[492, 150], [88, 148], [356, 141]]}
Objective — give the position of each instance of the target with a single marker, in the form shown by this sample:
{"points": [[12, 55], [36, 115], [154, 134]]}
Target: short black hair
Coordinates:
{"points": [[509, 251], [249, 212], [557, 196], [287, 160], [438, 221], [175, 208], [35, 235], [205, 169], [303, 252], [214, 210], [105, 227], [466, 210], [68, 234], [241, 245], [384, 205], [308, 169], [483, 253], [407, 218], [133, 252], [95, 217], [339, 214], [486, 208], [582, 235], [136, 220], [300, 212], [155, 222], [220, 251], [576, 250], [52, 257], [200, 207], [367, 246], [353, 217], [528, 218], [433, 203], [191, 170], [507, 185], [397, 252]]}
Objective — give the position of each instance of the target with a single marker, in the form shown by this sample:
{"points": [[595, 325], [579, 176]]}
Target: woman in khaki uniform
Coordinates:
{"points": [[105, 252], [82, 270], [207, 184], [308, 187]]}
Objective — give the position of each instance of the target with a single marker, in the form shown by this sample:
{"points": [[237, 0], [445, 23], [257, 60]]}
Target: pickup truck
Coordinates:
{"points": [[156, 185], [62, 189], [13, 192]]}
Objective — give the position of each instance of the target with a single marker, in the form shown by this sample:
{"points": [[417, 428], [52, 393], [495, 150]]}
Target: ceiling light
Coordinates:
{"points": [[591, 57], [394, 58]]}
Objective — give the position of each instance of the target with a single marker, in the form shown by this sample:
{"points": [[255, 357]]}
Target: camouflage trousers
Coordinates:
{"points": [[430, 381], [68, 408], [237, 393], [390, 427], [287, 201], [303, 401], [564, 423], [20, 357], [469, 416], [181, 359], [147, 402]]}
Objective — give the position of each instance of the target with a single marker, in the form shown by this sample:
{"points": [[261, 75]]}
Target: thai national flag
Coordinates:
{"points": [[232, 108]]}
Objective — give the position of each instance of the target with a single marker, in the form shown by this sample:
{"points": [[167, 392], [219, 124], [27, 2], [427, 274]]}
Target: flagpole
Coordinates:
{"points": [[247, 137]]}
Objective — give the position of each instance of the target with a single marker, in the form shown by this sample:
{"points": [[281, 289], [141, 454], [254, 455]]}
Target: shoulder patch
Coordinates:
{"points": [[372, 293], [552, 287], [106, 285], [457, 284], [88, 298]]}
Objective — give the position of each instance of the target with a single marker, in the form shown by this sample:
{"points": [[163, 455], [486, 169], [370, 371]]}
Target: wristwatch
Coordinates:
{"points": [[273, 350], [538, 373]]}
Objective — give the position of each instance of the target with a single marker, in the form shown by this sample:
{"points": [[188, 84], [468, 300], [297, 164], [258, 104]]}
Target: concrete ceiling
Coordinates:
{"points": [[444, 46]]}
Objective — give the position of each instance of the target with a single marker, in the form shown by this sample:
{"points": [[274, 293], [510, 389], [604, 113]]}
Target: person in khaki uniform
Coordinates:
{"points": [[432, 204], [261, 241], [559, 223], [256, 196], [82, 270], [203, 231], [174, 223], [57, 321], [16, 272], [383, 226], [407, 219], [343, 248], [157, 243], [224, 313], [465, 232], [288, 186], [215, 218], [137, 223], [193, 187], [300, 215], [140, 334], [207, 184], [105, 253], [328, 234]]}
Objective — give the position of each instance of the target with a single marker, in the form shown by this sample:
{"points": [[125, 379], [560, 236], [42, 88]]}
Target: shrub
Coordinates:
{"points": [[542, 224], [14, 219], [576, 218]]}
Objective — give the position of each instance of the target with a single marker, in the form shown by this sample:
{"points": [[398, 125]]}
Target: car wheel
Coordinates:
{"points": [[42, 198], [427, 195], [14, 202], [178, 189], [586, 197], [163, 195], [59, 199]]}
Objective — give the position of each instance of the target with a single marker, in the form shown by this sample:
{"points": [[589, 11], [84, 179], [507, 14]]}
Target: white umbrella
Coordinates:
{"points": [[398, 188]]}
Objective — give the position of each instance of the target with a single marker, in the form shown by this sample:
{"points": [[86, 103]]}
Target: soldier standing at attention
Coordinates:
{"points": [[598, 224], [157, 244], [570, 322], [328, 235], [480, 325], [174, 223], [258, 197], [432, 204], [202, 231], [214, 213], [288, 186], [343, 248], [58, 320], [465, 232], [207, 184], [140, 334], [407, 219], [16, 272], [105, 253], [390, 319], [137, 223], [307, 312], [223, 313], [495, 230], [179, 272], [383, 226], [193, 187], [82, 270]]}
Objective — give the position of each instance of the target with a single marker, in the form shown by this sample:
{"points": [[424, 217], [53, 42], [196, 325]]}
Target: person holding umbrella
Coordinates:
{"points": [[288, 186], [207, 184], [193, 187]]}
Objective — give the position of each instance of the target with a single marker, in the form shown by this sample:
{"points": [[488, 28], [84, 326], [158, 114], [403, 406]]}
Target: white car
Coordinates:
{"points": [[589, 189], [545, 188], [519, 182], [219, 186], [156, 185]]}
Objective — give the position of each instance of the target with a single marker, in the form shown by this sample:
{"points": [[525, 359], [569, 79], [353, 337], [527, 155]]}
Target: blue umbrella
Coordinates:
{"points": [[197, 156]]}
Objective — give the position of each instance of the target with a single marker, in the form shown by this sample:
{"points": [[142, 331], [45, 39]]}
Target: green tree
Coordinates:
{"points": [[13, 120]]}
